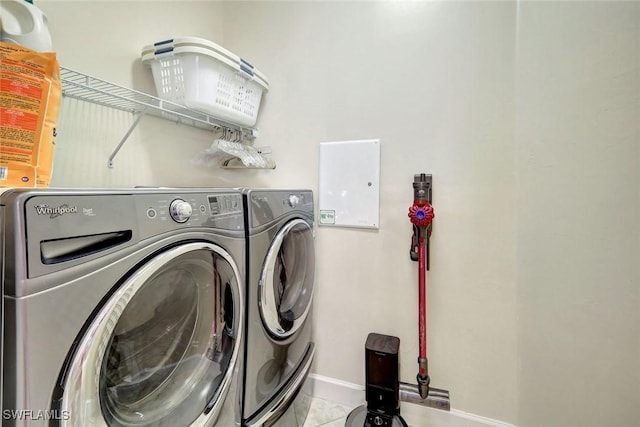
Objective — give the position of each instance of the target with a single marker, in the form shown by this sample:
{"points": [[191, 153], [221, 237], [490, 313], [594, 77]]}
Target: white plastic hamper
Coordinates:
{"points": [[202, 75]]}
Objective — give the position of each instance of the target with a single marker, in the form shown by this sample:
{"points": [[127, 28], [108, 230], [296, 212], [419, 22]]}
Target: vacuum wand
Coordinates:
{"points": [[423, 363], [421, 215]]}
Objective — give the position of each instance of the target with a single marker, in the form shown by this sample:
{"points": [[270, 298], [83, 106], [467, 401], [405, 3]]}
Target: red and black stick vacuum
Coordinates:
{"points": [[421, 214], [383, 390]]}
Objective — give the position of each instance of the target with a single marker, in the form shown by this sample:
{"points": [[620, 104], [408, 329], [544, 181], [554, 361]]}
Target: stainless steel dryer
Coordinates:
{"points": [[122, 307], [280, 282]]}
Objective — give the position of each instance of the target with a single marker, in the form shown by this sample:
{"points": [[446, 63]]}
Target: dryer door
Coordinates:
{"points": [[162, 349], [286, 282]]}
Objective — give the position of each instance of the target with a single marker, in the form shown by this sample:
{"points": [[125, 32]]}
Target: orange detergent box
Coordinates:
{"points": [[30, 95]]}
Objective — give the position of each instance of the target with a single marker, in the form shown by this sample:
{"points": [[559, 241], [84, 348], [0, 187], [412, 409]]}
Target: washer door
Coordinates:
{"points": [[286, 282], [162, 349]]}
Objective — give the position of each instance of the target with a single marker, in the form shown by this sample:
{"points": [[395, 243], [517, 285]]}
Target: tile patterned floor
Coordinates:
{"points": [[323, 413], [326, 414]]}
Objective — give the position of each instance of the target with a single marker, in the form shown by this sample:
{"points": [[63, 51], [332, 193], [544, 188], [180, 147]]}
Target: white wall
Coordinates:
{"points": [[435, 82], [525, 113], [578, 152]]}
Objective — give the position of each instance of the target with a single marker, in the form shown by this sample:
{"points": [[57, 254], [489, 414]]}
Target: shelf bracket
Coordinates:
{"points": [[141, 114]]}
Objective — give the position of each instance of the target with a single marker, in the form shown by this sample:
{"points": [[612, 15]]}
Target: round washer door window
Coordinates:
{"points": [[162, 349], [286, 282]]}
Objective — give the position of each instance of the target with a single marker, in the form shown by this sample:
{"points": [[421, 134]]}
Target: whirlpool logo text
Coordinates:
{"points": [[56, 211]]}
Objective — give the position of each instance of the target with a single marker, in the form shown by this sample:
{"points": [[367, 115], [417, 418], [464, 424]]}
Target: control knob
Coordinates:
{"points": [[180, 210], [294, 200]]}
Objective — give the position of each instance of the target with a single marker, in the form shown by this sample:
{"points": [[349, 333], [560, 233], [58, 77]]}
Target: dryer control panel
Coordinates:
{"points": [[265, 206]]}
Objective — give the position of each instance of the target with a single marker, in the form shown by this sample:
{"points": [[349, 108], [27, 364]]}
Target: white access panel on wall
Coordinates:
{"points": [[349, 183]]}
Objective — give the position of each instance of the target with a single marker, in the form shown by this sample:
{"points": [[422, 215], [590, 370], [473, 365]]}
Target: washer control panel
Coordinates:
{"points": [[197, 209], [224, 204]]}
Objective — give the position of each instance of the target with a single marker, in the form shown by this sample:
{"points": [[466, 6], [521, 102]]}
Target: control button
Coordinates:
{"points": [[202, 209], [151, 213], [294, 200], [180, 210]]}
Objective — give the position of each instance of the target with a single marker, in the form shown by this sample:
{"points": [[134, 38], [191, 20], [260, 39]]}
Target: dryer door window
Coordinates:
{"points": [[163, 348], [286, 283]]}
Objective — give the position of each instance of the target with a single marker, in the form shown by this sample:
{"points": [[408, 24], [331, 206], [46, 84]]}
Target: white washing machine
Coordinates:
{"points": [[280, 282], [122, 307]]}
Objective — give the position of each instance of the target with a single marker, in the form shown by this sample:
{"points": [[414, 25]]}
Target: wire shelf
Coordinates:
{"points": [[92, 89], [81, 86]]}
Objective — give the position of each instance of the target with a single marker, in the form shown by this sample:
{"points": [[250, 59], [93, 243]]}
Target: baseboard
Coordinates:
{"points": [[480, 419], [352, 395], [347, 394]]}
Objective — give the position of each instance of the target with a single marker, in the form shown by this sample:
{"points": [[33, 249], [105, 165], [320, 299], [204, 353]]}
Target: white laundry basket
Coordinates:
{"points": [[202, 75]]}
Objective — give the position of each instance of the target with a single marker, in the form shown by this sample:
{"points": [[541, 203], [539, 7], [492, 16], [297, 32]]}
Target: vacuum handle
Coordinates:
{"points": [[413, 250], [421, 214], [422, 184]]}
